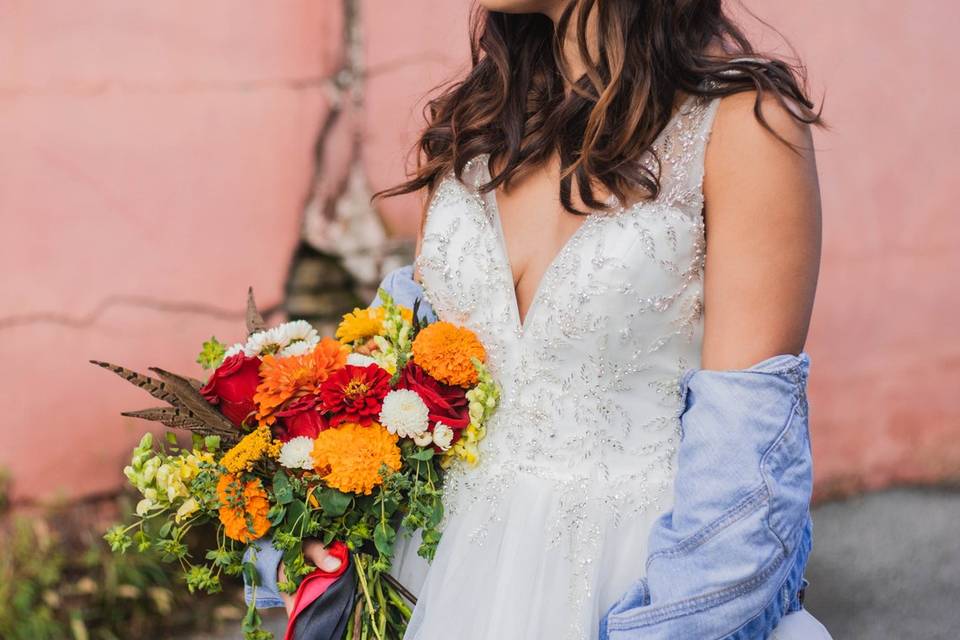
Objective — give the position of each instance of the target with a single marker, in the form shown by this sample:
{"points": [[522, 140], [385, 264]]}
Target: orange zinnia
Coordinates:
{"points": [[243, 508], [349, 457], [445, 350], [283, 378]]}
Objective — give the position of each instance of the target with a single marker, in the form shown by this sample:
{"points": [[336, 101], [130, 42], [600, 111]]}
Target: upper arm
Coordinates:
{"points": [[762, 216]]}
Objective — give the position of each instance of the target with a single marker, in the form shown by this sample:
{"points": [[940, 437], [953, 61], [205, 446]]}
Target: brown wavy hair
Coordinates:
{"points": [[514, 106]]}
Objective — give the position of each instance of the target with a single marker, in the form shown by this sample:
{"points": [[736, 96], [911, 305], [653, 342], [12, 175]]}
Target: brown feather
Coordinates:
{"points": [[170, 416], [189, 398], [255, 321], [154, 387]]}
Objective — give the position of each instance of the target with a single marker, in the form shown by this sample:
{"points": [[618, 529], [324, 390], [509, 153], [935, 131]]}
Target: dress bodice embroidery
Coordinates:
{"points": [[590, 403]]}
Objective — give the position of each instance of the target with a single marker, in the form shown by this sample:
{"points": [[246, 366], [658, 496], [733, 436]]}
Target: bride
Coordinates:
{"points": [[619, 192]]}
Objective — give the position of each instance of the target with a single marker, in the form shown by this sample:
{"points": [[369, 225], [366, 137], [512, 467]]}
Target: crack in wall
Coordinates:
{"points": [[90, 318], [344, 244]]}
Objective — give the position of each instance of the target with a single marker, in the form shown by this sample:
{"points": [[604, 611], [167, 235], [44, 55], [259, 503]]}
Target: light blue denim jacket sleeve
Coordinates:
{"points": [[405, 291], [727, 562]]}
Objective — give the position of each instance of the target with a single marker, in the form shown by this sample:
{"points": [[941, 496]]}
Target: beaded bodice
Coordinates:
{"points": [[590, 378]]}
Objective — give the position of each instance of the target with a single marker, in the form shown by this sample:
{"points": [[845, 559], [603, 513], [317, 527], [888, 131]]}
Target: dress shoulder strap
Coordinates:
{"points": [[681, 150]]}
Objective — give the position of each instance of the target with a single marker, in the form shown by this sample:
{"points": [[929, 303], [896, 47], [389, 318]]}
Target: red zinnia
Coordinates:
{"points": [[355, 394]]}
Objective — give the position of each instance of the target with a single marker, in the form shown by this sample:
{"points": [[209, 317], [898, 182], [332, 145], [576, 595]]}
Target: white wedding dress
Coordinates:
{"points": [[550, 528]]}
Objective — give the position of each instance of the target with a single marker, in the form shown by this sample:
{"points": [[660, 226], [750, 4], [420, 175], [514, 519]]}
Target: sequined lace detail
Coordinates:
{"points": [[590, 380]]}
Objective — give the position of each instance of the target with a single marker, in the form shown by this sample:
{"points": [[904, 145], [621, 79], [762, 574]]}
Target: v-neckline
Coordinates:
{"points": [[507, 264]]}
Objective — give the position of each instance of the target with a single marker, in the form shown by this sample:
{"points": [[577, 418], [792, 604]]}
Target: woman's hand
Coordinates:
{"points": [[316, 554]]}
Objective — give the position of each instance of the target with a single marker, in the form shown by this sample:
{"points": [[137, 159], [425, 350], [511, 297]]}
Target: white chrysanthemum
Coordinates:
{"points": [[298, 337], [299, 348], [295, 453], [424, 439], [234, 350], [404, 413], [262, 343], [288, 339], [442, 436], [360, 360]]}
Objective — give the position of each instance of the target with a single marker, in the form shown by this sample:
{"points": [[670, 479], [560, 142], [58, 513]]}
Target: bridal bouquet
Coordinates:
{"points": [[295, 436]]}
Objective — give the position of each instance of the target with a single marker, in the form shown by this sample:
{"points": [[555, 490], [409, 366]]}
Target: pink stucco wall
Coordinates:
{"points": [[154, 158]]}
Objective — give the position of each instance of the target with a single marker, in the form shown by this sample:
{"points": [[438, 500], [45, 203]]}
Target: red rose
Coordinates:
{"points": [[446, 403], [301, 417], [232, 387], [355, 394]]}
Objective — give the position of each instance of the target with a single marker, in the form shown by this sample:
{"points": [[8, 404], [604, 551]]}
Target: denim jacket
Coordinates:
{"points": [[727, 562], [400, 284]]}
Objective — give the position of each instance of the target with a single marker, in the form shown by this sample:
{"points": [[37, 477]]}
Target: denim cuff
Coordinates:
{"points": [[405, 291], [266, 558]]}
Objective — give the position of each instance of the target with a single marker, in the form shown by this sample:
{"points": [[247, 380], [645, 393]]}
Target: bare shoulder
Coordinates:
{"points": [[762, 213], [742, 147]]}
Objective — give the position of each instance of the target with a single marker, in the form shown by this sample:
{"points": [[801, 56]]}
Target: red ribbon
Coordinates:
{"points": [[316, 583]]}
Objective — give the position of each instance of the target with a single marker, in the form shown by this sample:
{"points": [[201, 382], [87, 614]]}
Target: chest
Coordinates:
{"points": [[535, 227]]}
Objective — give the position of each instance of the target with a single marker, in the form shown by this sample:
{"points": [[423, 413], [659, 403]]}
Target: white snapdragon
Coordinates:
{"points": [[424, 439], [442, 436]]}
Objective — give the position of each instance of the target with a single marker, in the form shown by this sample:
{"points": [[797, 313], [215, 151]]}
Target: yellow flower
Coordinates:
{"points": [[187, 509], [349, 457], [445, 351], [254, 446], [363, 324], [360, 324]]}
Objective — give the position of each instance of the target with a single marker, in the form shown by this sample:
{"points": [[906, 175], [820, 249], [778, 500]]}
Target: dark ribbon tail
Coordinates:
{"points": [[323, 616]]}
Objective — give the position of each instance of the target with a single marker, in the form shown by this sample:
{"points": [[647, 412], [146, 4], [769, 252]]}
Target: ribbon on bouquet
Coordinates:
{"points": [[324, 602]]}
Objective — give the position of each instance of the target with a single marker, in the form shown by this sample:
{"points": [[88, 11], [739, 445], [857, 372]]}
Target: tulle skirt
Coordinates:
{"points": [[521, 567]]}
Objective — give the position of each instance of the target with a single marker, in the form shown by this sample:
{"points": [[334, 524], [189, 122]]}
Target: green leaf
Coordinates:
{"points": [[212, 443], [383, 537], [276, 514], [436, 513], [250, 574], [423, 454], [172, 438], [282, 490], [334, 503], [165, 529], [295, 511]]}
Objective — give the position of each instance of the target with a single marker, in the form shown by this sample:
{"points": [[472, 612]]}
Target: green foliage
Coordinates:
{"points": [[5, 483], [212, 353], [58, 582]]}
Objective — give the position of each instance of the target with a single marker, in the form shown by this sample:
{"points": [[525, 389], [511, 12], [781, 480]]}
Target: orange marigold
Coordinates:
{"points": [[283, 378], [243, 508], [349, 457], [445, 350]]}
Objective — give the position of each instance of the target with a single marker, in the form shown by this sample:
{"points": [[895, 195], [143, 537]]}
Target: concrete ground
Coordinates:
{"points": [[887, 566], [884, 567]]}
